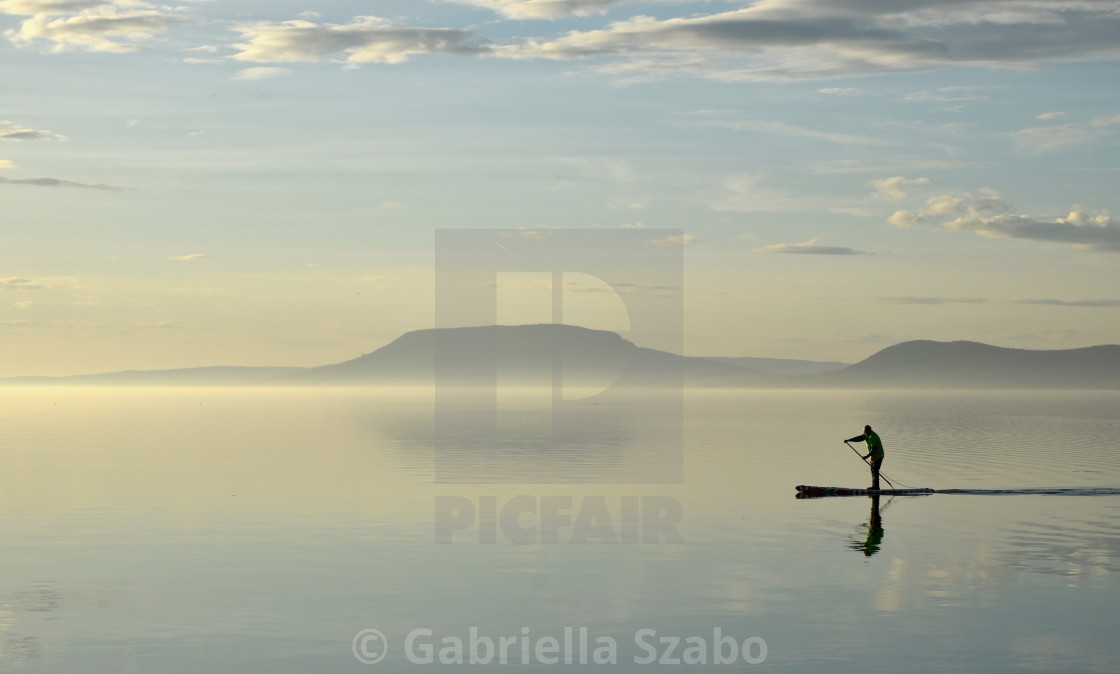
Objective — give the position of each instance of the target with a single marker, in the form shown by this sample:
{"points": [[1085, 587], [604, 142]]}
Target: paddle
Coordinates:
{"points": [[869, 463]]}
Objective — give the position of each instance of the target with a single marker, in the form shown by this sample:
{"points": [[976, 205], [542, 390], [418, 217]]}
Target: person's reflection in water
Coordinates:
{"points": [[874, 539]]}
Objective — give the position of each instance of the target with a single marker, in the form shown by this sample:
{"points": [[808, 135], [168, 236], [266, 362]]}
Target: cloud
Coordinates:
{"points": [[12, 283], [747, 195], [809, 247], [6, 164], [934, 300], [944, 95], [1046, 139], [599, 168], [10, 131], [50, 7], [545, 9], [1047, 116], [787, 129], [678, 240], [261, 73], [1093, 232], [101, 28], [897, 189], [797, 39], [989, 216], [57, 182], [1103, 303], [892, 165], [367, 39], [15, 283], [193, 257], [842, 91]]}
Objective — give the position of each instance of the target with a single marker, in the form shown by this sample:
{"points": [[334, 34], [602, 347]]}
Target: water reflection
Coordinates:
{"points": [[874, 539]]}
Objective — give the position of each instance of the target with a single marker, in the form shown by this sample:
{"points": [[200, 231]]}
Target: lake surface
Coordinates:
{"points": [[261, 530]]}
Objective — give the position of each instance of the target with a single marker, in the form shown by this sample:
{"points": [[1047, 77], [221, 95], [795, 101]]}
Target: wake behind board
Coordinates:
{"points": [[806, 491]]}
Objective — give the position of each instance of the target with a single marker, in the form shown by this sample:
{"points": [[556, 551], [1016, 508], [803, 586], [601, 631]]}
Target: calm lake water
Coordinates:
{"points": [[256, 530]]}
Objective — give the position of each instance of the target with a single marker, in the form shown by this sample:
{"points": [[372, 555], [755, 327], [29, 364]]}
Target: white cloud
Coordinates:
{"points": [[747, 196], [842, 91], [892, 165], [546, 9], [193, 257], [989, 215], [809, 247], [943, 95], [897, 188], [10, 131], [793, 39], [103, 28], [261, 73], [678, 240], [1047, 116], [6, 164], [368, 39], [787, 129], [904, 219], [1105, 122], [51, 7], [1044, 139]]}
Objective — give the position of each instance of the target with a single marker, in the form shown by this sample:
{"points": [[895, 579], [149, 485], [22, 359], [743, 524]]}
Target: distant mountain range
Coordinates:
{"points": [[537, 355], [927, 364]]}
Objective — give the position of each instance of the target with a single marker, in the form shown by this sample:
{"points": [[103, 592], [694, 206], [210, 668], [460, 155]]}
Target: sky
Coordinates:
{"points": [[246, 183]]}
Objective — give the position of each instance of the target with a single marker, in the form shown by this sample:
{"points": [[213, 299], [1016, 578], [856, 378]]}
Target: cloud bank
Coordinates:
{"points": [[10, 131], [367, 39], [101, 26], [989, 215]]}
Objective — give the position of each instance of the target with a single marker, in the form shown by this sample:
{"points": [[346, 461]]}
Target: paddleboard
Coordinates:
{"points": [[809, 491]]}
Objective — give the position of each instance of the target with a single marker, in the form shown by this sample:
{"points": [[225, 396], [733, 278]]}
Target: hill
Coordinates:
{"points": [[782, 366], [538, 355], [526, 355], [962, 364]]}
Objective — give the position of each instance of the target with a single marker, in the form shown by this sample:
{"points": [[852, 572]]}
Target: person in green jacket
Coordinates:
{"points": [[874, 452]]}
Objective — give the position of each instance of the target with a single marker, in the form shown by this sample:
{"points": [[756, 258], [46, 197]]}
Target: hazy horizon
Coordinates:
{"points": [[592, 361]]}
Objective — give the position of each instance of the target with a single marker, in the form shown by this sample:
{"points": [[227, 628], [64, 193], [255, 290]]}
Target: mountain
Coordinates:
{"points": [[929, 364], [193, 376], [783, 366], [538, 355], [526, 355]]}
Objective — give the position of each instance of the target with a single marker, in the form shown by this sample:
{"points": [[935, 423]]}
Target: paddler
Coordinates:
{"points": [[874, 452]]}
